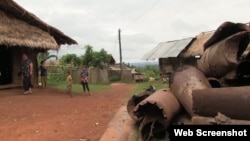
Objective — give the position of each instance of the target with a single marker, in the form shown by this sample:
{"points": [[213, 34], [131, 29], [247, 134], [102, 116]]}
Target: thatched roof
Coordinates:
{"points": [[197, 46], [14, 32], [12, 9]]}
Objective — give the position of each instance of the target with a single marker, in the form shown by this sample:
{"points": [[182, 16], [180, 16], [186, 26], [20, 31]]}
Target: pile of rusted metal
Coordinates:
{"points": [[215, 91]]}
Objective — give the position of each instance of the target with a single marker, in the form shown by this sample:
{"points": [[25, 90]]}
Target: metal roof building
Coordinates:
{"points": [[168, 49]]}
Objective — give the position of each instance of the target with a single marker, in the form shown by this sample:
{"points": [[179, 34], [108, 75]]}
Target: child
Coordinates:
{"points": [[43, 74], [69, 83], [84, 79]]}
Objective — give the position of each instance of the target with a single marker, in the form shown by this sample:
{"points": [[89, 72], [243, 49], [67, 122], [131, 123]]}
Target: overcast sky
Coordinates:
{"points": [[143, 23]]}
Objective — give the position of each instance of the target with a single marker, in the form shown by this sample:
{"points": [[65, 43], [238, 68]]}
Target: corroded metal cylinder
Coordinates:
{"points": [[225, 30], [185, 80], [156, 112], [231, 101], [137, 98], [223, 57]]}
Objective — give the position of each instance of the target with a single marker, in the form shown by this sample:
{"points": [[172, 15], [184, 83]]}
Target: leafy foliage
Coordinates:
{"points": [[71, 59], [95, 58], [87, 57], [150, 71], [42, 56]]}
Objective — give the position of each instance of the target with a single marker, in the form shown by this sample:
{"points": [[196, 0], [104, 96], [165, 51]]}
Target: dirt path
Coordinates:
{"points": [[49, 115]]}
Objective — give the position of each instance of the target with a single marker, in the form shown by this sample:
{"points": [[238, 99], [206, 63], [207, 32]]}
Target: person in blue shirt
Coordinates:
{"points": [[84, 79]]}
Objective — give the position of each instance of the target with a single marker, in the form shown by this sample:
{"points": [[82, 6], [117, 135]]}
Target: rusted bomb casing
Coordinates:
{"points": [[134, 100], [231, 101], [223, 57], [157, 110], [220, 119], [225, 30], [186, 79], [162, 102], [137, 98]]}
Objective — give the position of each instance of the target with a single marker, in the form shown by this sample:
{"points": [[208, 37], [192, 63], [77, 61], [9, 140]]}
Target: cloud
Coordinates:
{"points": [[143, 23]]}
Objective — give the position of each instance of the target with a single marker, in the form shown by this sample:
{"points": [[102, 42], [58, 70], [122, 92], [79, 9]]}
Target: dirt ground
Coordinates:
{"points": [[49, 115]]}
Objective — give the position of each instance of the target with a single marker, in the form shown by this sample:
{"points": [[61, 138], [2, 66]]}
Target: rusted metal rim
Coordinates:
{"points": [[214, 82], [136, 99], [155, 113]]}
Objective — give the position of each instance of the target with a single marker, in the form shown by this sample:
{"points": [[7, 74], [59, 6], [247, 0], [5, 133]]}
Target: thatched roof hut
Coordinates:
{"points": [[21, 31], [13, 10]]}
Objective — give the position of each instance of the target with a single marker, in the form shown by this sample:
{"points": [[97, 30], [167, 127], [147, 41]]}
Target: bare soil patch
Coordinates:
{"points": [[49, 115]]}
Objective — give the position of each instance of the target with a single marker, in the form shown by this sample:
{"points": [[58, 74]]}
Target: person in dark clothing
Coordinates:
{"points": [[27, 69], [84, 79], [43, 74]]}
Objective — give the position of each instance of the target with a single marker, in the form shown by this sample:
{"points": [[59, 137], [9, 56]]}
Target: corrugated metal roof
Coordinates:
{"points": [[167, 49]]}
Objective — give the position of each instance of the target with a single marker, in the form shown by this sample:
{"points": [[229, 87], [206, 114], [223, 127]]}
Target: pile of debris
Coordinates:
{"points": [[215, 91]]}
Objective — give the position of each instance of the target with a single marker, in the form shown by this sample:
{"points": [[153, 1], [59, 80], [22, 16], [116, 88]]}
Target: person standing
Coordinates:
{"points": [[84, 79], [27, 70], [69, 84], [43, 74]]}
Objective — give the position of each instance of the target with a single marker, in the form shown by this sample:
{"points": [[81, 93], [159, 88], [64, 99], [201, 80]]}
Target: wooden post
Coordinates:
{"points": [[120, 49]]}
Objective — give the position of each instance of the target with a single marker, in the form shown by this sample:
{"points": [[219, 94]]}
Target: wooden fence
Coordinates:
{"points": [[96, 75]]}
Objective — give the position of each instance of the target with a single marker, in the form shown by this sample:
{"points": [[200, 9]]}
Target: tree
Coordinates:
{"points": [[71, 59], [87, 57], [99, 59], [95, 58]]}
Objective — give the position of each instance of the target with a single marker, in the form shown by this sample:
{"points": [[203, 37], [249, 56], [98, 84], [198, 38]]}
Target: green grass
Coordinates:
{"points": [[77, 88], [139, 87], [143, 85]]}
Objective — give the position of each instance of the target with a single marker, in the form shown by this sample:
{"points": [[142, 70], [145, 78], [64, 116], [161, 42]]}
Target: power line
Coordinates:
{"points": [[149, 9]]}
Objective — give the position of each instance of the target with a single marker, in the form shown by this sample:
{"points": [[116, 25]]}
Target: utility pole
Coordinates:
{"points": [[120, 48]]}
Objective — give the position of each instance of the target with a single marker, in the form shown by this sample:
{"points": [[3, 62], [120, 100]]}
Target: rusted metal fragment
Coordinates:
{"points": [[231, 101], [137, 98], [152, 127], [186, 79], [220, 119], [223, 57], [225, 30], [214, 82], [155, 113]]}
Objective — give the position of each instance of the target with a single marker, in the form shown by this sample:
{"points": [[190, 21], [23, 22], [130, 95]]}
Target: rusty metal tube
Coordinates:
{"points": [[231, 101], [137, 98], [156, 113], [220, 119], [223, 57], [225, 30], [186, 79]]}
